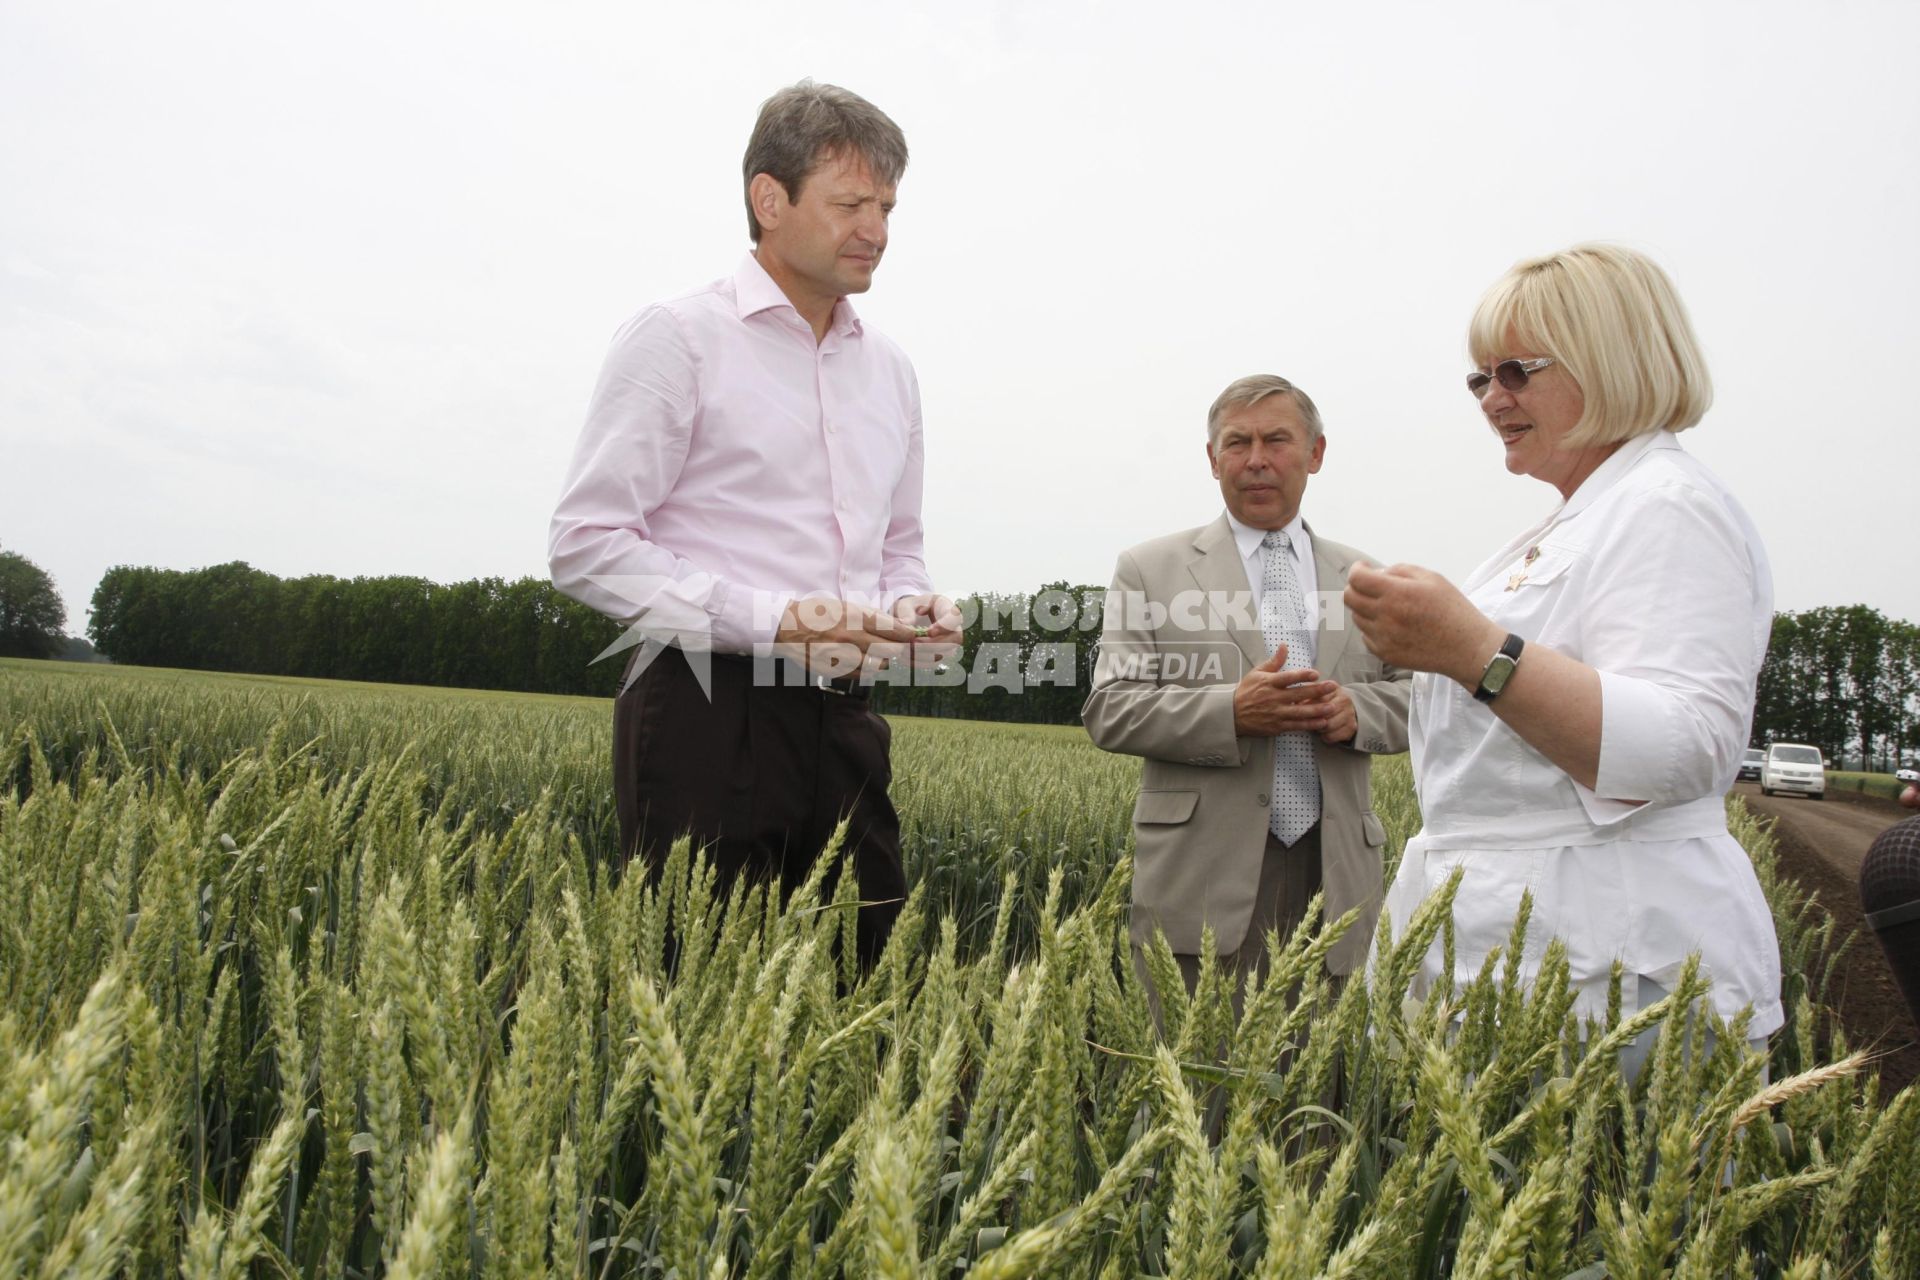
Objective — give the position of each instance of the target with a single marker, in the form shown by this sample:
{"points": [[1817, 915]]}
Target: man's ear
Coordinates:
{"points": [[1212, 461], [1317, 456], [768, 198]]}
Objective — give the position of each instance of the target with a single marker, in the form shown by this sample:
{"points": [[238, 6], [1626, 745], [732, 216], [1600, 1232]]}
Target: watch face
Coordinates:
{"points": [[1497, 674]]}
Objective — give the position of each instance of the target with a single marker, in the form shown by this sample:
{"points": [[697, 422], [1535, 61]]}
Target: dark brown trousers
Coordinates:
{"points": [[760, 775]]}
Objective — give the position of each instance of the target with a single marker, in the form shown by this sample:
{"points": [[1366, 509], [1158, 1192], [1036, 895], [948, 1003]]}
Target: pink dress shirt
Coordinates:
{"points": [[729, 463]]}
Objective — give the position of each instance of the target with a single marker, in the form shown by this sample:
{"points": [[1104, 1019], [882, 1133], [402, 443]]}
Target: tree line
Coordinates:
{"points": [[1028, 657], [484, 634], [1845, 679]]}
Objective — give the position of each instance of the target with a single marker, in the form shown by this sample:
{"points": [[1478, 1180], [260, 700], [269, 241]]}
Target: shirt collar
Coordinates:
{"points": [[754, 291], [1248, 539], [1608, 473]]}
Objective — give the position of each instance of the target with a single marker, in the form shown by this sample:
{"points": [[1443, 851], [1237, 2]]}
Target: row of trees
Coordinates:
{"points": [[1028, 657], [1846, 680], [485, 634]]}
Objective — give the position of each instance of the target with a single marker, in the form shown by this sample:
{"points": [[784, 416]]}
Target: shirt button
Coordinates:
{"points": [[830, 428]]}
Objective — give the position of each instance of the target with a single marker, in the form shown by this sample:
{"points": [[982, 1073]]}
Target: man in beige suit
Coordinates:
{"points": [[1227, 664]]}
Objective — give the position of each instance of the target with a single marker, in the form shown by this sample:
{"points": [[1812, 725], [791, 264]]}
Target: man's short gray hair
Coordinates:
{"points": [[1250, 391], [805, 123]]}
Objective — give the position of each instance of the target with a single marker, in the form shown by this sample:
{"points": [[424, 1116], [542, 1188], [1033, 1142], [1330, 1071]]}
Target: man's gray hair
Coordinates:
{"points": [[1250, 391], [803, 124]]}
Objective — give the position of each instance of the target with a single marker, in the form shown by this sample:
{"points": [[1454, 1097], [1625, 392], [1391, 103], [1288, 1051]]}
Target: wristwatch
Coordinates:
{"points": [[1499, 669]]}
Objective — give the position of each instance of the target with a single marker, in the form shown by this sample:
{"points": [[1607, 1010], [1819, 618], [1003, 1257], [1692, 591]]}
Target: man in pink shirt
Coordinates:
{"points": [[746, 494]]}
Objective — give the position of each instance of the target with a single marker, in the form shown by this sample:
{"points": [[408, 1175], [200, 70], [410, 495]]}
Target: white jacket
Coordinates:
{"points": [[1653, 575]]}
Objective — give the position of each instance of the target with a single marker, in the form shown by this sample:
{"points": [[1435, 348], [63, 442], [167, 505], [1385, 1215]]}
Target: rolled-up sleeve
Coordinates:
{"points": [[1667, 621]]}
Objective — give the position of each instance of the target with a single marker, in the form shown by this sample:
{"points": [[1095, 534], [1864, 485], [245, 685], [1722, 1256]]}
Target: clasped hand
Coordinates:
{"points": [[1270, 701], [838, 638]]}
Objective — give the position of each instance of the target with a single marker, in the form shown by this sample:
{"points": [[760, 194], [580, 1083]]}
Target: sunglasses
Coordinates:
{"points": [[1511, 373]]}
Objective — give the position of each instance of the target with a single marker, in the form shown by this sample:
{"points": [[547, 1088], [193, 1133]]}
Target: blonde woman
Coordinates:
{"points": [[1584, 701]]}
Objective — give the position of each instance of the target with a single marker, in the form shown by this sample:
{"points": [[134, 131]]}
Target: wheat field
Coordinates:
{"points": [[317, 980]]}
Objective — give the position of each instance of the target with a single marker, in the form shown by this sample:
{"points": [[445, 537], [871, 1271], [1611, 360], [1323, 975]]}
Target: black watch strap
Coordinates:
{"points": [[1499, 669]]}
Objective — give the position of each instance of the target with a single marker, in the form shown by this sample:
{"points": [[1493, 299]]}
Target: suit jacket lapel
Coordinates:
{"points": [[1217, 568], [1330, 640]]}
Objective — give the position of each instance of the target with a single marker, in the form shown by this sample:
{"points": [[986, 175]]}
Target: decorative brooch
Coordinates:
{"points": [[1520, 575]]}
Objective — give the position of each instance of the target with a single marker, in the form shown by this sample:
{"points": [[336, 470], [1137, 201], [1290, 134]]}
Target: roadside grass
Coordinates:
{"points": [[1884, 785]]}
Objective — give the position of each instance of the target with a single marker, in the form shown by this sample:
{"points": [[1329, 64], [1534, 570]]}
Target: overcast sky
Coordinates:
{"points": [[324, 288]]}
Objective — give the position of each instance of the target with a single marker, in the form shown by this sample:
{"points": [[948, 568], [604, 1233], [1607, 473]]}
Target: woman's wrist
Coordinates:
{"points": [[1473, 660]]}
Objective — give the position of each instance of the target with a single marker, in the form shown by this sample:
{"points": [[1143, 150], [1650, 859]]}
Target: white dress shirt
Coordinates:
{"points": [[1253, 557], [1653, 575], [730, 463]]}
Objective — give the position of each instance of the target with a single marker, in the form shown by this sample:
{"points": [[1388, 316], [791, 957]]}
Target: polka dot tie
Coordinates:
{"points": [[1283, 620]]}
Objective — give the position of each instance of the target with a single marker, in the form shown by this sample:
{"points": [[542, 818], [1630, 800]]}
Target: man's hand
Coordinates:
{"points": [[1413, 618], [839, 638], [1270, 701], [1343, 722], [943, 627]]}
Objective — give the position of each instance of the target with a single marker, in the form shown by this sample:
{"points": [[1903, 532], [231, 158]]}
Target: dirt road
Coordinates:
{"points": [[1838, 829], [1822, 844]]}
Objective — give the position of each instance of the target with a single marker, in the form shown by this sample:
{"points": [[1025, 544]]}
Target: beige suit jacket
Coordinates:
{"points": [[1163, 690]]}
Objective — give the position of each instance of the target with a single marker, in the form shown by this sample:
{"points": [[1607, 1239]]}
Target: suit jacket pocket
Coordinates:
{"points": [[1164, 807], [1373, 829]]}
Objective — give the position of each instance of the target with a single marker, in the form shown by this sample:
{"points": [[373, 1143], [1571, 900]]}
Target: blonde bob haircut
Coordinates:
{"points": [[1610, 318]]}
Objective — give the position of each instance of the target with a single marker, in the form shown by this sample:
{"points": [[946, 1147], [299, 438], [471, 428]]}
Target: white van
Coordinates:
{"points": [[1794, 766]]}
